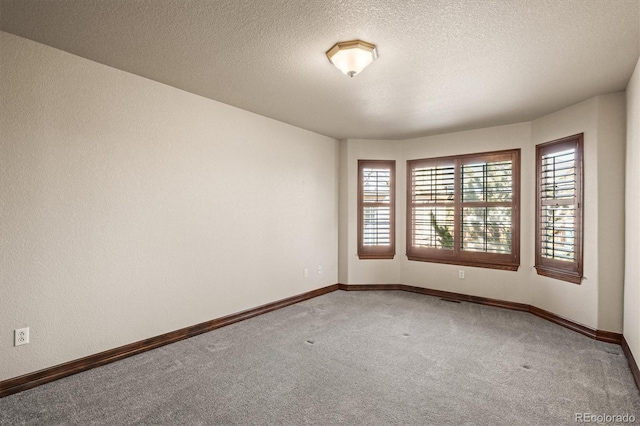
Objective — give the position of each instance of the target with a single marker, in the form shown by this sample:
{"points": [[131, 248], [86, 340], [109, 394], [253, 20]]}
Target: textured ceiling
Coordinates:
{"points": [[443, 66]]}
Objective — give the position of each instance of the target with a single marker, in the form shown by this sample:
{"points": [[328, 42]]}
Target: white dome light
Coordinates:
{"points": [[351, 57]]}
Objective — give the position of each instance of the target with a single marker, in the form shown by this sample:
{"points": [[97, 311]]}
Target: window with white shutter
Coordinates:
{"points": [[559, 209], [376, 209], [464, 210]]}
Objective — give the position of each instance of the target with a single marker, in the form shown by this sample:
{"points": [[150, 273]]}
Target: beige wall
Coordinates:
{"points": [[129, 208], [343, 213], [632, 222], [597, 302], [611, 186]]}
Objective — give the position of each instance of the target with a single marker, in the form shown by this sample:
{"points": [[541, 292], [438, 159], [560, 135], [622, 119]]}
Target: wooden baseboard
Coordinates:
{"points": [[30, 380], [609, 337], [564, 322], [605, 336], [438, 293], [635, 371]]}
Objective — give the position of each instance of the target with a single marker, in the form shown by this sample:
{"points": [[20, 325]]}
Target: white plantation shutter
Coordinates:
{"points": [[376, 207], [464, 210], [487, 198], [559, 209], [558, 205], [432, 199]]}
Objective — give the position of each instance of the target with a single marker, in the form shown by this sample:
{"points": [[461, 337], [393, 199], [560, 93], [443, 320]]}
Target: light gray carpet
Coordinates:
{"points": [[353, 358]]}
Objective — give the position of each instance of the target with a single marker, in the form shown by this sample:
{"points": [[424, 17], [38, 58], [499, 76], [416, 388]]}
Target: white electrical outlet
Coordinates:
{"points": [[461, 274], [20, 336], [305, 272], [319, 270]]}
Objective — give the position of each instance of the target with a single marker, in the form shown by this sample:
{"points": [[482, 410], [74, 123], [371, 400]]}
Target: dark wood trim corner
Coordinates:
{"points": [[609, 337], [635, 371], [31, 380], [564, 322]]}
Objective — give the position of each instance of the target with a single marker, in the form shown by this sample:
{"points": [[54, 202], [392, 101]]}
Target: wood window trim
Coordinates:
{"points": [[377, 252], [457, 256], [562, 270]]}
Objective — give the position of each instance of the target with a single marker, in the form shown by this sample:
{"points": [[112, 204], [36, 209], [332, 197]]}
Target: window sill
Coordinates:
{"points": [[500, 266], [569, 276], [375, 256]]}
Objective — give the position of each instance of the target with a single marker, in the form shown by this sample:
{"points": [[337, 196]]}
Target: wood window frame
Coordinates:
{"points": [[377, 251], [570, 271], [458, 256]]}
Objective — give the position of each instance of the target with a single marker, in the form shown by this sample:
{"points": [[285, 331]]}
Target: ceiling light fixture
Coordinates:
{"points": [[351, 57]]}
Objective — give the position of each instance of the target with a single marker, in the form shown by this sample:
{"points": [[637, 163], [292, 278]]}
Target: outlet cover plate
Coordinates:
{"points": [[21, 336]]}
